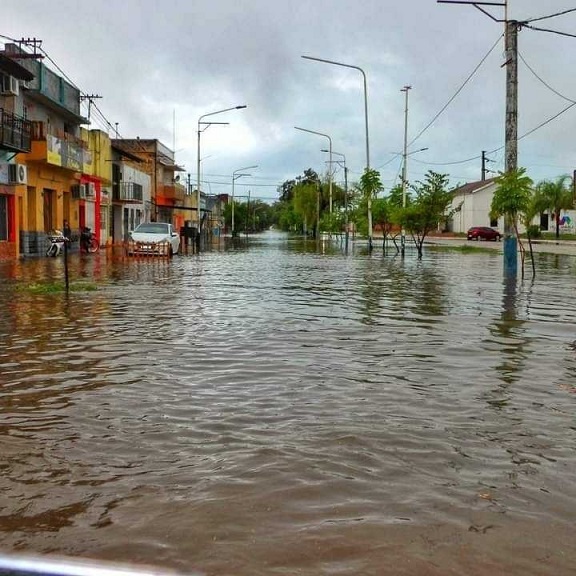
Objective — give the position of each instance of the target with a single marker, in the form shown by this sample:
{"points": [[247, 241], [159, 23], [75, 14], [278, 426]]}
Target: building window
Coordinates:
{"points": [[494, 222], [3, 217], [544, 222]]}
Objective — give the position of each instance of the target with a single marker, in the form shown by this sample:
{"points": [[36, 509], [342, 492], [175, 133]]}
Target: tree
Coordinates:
{"points": [[428, 207], [512, 198], [370, 185], [305, 202], [555, 197]]}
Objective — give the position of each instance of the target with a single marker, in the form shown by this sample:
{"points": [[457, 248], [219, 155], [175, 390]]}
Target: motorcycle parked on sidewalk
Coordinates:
{"points": [[88, 241], [57, 241]]}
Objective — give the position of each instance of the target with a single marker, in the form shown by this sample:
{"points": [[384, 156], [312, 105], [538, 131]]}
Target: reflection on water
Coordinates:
{"points": [[277, 405]]}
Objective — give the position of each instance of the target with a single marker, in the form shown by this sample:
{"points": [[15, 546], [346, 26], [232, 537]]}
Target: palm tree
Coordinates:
{"points": [[512, 199], [555, 197]]}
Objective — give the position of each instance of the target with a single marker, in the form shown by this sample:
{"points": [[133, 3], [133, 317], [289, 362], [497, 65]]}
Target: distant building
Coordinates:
{"points": [[471, 205]]}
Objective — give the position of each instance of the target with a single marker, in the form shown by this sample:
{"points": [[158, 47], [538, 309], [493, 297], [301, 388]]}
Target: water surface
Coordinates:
{"points": [[279, 409]]}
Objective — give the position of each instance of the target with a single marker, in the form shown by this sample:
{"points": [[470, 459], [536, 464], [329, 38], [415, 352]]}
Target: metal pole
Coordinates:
{"points": [[346, 224], [404, 176], [198, 161], [235, 176], [329, 176], [366, 126], [198, 188], [345, 185], [233, 180]]}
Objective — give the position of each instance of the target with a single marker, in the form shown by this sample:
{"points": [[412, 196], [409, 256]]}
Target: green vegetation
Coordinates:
{"points": [[429, 207], [468, 249], [55, 287], [249, 216], [515, 200], [554, 197]]}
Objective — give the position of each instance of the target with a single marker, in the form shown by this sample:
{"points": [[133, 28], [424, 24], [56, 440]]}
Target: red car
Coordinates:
{"points": [[483, 233]]}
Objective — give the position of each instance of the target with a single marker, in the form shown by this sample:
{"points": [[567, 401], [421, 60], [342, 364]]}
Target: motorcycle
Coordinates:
{"points": [[57, 241], [88, 241]]}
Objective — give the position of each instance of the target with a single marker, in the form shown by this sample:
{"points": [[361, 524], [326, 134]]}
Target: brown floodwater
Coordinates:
{"points": [[279, 409]]}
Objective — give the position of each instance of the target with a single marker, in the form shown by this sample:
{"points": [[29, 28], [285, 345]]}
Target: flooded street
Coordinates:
{"points": [[275, 409]]}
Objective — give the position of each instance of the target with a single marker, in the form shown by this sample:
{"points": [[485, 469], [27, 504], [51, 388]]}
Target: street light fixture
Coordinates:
{"points": [[207, 125], [345, 196], [366, 125], [234, 178], [329, 180], [329, 173]]}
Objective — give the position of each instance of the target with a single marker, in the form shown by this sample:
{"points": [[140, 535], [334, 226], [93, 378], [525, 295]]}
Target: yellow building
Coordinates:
{"points": [[53, 190]]}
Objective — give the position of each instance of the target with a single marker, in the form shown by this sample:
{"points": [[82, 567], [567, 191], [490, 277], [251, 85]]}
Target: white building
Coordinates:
{"points": [[471, 204]]}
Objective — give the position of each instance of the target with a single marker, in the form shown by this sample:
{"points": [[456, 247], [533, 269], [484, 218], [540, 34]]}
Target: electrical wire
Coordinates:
{"points": [[548, 30], [457, 91], [543, 82], [552, 15]]}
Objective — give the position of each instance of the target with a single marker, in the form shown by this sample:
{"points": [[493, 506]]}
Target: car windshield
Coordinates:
{"points": [[153, 228]]}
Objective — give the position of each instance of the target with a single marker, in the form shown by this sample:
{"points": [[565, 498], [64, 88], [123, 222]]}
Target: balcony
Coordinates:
{"points": [[174, 193], [59, 148], [127, 192], [15, 132]]}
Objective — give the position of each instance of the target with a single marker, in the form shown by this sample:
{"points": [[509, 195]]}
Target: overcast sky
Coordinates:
{"points": [[153, 61]]}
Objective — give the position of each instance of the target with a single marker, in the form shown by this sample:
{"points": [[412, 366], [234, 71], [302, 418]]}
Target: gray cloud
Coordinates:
{"points": [[153, 59]]}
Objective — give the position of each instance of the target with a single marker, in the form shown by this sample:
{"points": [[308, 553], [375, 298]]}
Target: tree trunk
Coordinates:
{"points": [[419, 243], [532, 257], [522, 249], [558, 225]]}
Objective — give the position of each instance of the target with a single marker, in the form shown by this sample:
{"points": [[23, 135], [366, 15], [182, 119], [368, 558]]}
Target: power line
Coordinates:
{"points": [[543, 82], [448, 163], [457, 92], [548, 30], [552, 15]]}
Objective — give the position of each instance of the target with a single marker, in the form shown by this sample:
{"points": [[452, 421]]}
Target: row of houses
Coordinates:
{"points": [[54, 167]]}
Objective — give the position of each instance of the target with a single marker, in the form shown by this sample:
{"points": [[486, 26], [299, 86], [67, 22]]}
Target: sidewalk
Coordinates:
{"points": [[545, 246]]}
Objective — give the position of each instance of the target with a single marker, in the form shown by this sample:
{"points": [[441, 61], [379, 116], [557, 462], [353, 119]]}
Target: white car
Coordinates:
{"points": [[154, 239]]}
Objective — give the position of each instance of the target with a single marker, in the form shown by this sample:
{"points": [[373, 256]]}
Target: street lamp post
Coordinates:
{"points": [[207, 124], [366, 126], [404, 156], [345, 196], [234, 178], [329, 176]]}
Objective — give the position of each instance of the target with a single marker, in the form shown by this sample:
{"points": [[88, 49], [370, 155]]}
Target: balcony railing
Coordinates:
{"points": [[59, 148], [128, 192], [15, 132]]}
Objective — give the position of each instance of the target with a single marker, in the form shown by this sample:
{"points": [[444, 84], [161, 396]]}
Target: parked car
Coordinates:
{"points": [[154, 239], [483, 233]]}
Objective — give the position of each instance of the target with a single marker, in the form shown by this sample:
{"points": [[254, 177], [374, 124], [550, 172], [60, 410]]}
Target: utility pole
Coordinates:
{"points": [[91, 98], [485, 170], [511, 142], [511, 126]]}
